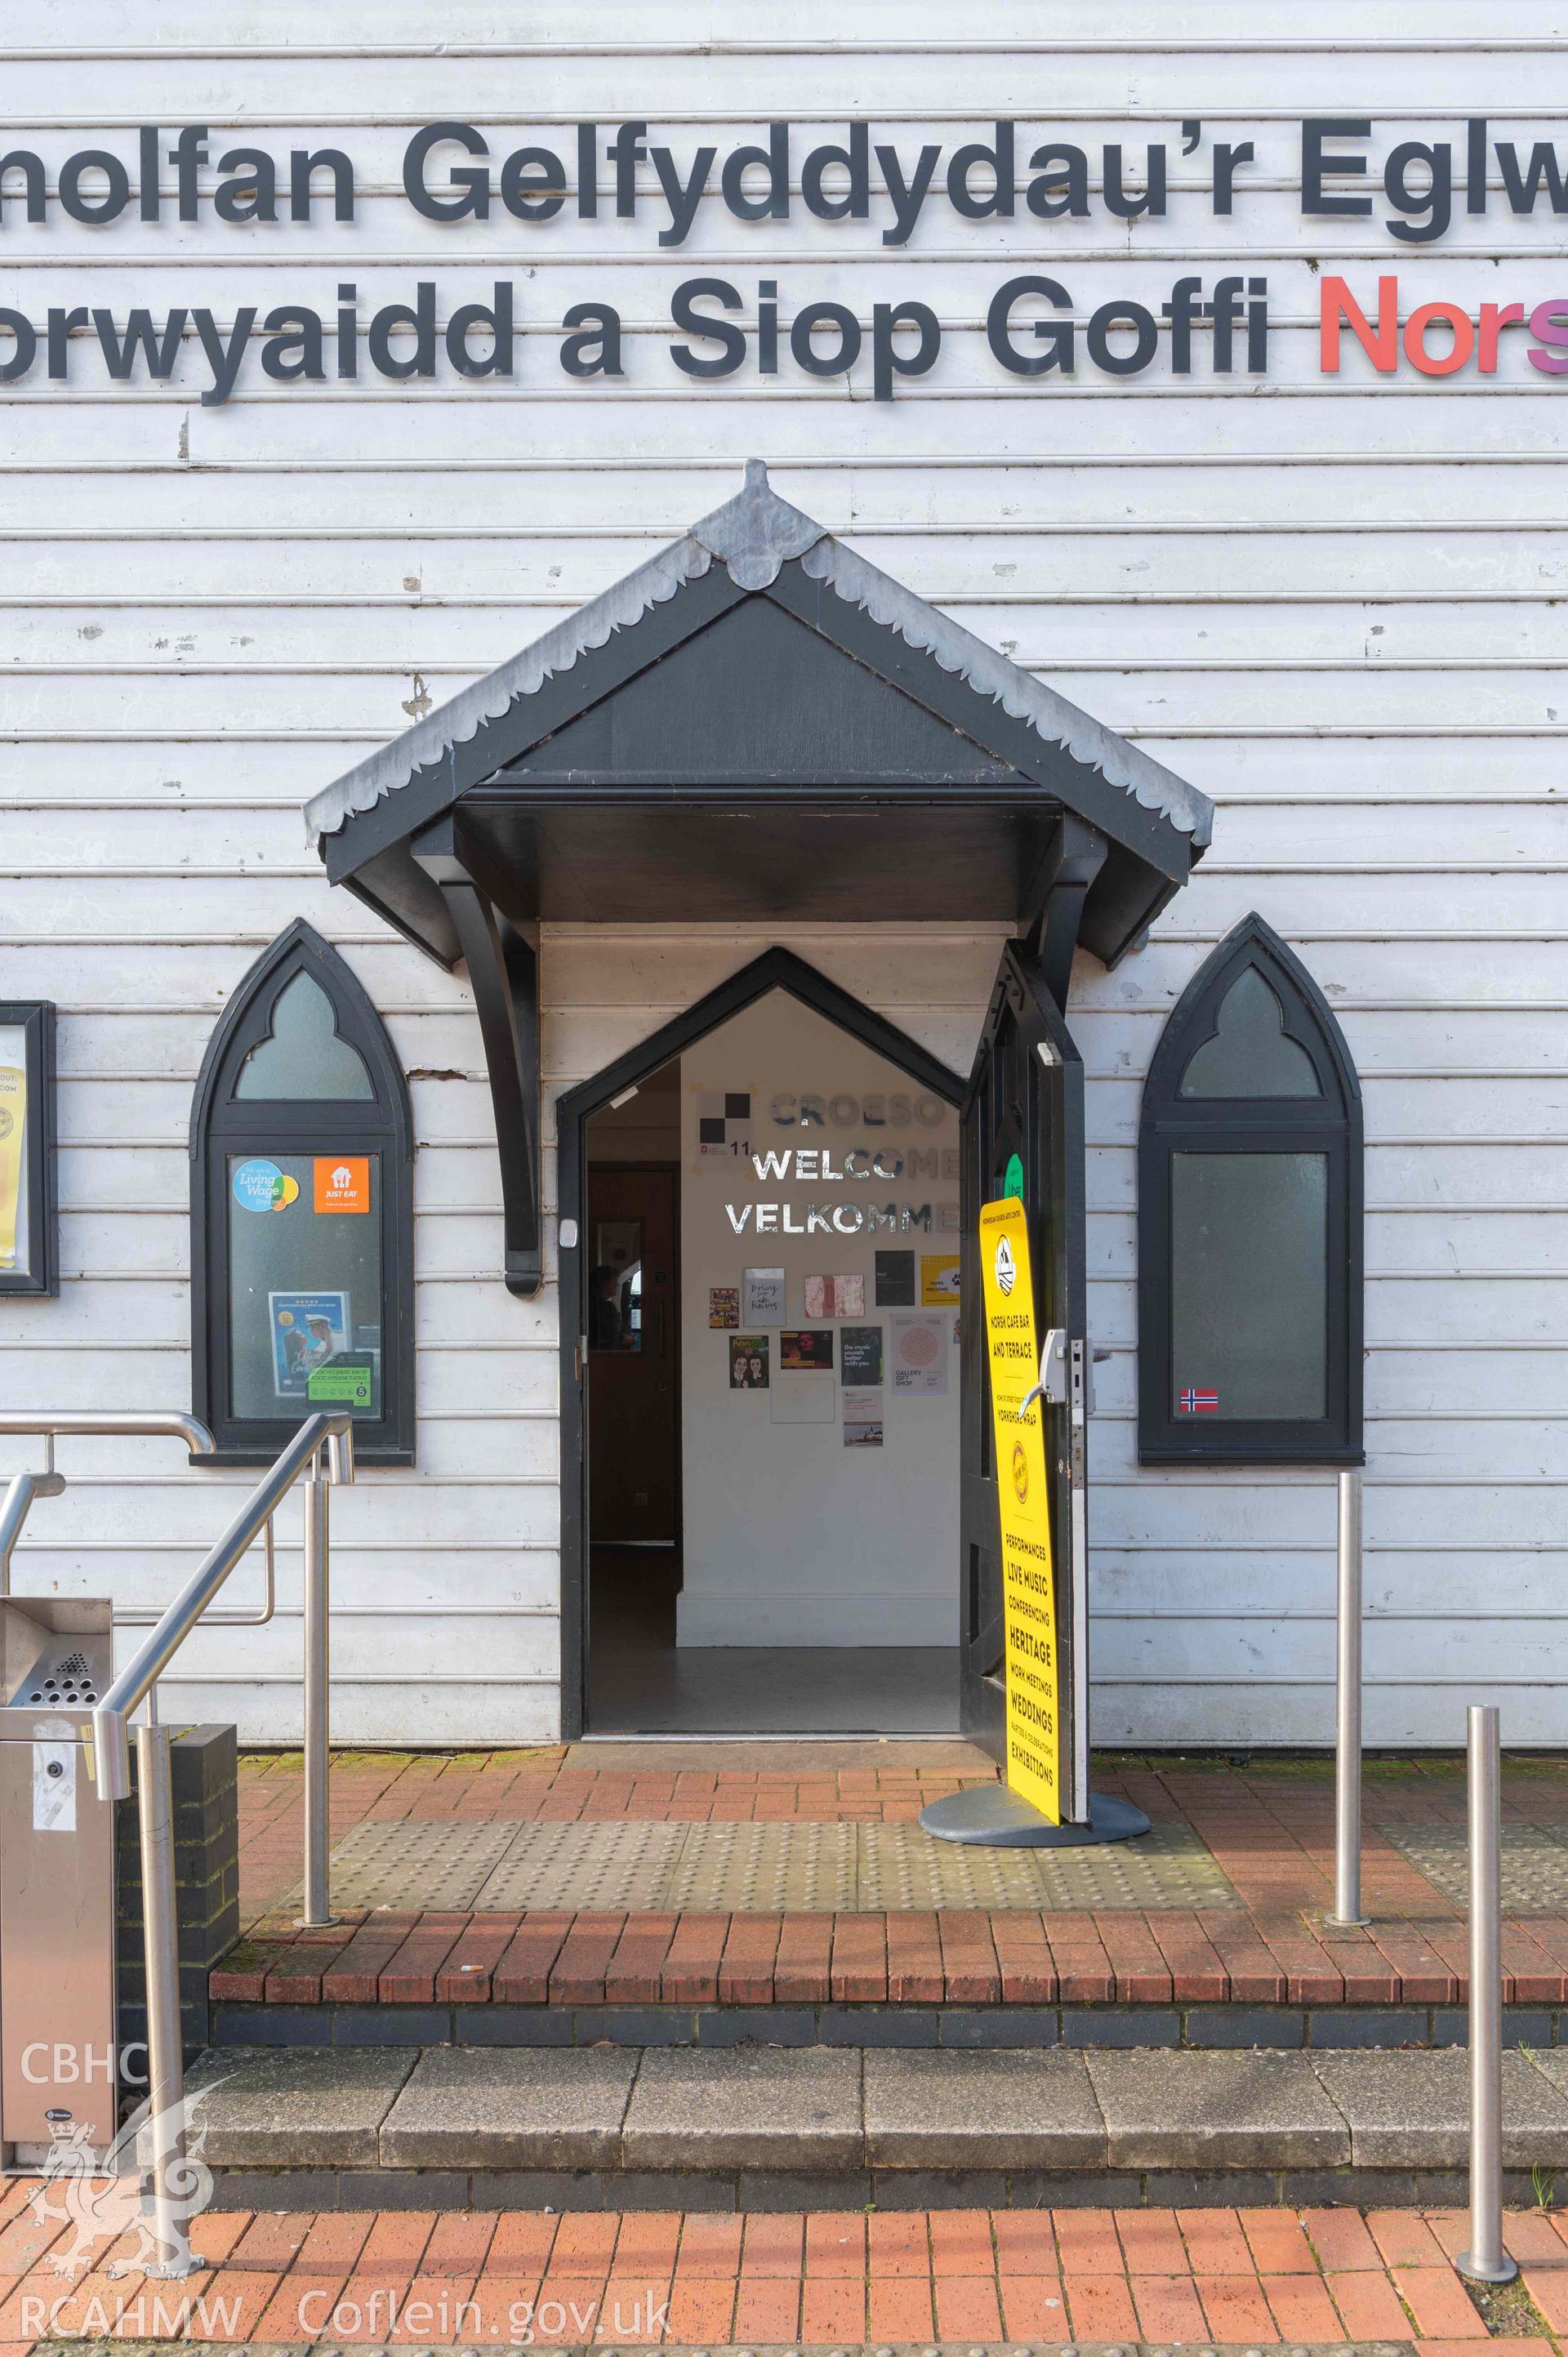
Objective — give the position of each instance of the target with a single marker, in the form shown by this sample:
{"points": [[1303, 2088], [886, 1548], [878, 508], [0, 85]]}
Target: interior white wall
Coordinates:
{"points": [[792, 1538]]}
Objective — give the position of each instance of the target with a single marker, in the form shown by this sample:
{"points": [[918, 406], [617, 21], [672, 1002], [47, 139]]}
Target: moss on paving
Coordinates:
{"points": [[1507, 2310]]}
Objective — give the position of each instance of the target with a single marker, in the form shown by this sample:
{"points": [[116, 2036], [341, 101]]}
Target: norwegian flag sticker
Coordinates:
{"points": [[1199, 1403]]}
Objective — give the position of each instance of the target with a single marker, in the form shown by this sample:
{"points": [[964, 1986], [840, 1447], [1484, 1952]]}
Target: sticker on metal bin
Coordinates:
{"points": [[54, 1787]]}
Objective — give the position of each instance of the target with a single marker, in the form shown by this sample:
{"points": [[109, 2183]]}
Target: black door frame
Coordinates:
{"points": [[775, 969], [1053, 1149]]}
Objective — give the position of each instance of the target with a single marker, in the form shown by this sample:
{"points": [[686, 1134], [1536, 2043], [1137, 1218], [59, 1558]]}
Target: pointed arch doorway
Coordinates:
{"points": [[760, 1372]]}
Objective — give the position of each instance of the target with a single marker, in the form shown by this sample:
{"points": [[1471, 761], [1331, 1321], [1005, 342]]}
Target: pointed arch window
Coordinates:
{"points": [[301, 1206], [1250, 1221]]}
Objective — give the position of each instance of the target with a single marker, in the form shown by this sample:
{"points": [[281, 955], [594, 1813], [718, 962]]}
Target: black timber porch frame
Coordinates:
{"points": [[503, 971]]}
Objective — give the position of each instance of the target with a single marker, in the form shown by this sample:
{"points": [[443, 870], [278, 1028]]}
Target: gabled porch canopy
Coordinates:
{"points": [[758, 725]]}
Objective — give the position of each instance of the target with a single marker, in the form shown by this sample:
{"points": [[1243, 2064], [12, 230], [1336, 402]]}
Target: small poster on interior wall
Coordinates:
{"points": [[762, 1297], [863, 1419], [749, 1362], [939, 1279], [797, 1398], [894, 1280], [919, 1348], [724, 1304], [808, 1350], [860, 1354], [835, 1296]]}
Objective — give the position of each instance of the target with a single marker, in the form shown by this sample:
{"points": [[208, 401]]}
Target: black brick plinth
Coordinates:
{"points": [[204, 1777]]}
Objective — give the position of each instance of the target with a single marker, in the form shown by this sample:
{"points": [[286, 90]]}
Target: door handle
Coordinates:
{"points": [[1052, 1387]]}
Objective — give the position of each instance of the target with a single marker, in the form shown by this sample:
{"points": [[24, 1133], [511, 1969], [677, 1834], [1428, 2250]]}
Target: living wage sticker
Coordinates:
{"points": [[1028, 1579], [260, 1185]]}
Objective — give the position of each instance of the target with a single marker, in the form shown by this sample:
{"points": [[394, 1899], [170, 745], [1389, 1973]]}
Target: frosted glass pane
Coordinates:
{"points": [[303, 1056], [1249, 1286], [304, 1293], [1250, 1055]]}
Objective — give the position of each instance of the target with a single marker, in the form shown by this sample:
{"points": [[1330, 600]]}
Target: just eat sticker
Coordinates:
{"points": [[343, 1182]]}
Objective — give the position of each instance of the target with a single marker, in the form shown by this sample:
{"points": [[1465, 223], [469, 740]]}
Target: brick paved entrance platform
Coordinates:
{"points": [[1250, 1960], [975, 2281]]}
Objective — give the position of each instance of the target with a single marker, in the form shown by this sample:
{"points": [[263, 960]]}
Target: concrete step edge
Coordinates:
{"points": [[819, 2110]]}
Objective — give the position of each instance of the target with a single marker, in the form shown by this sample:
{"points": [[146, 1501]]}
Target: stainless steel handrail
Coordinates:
{"points": [[227, 1619], [20, 1491], [51, 1424], [23, 1488], [1348, 1903], [329, 1437], [109, 1745], [188, 1429], [1484, 2259]]}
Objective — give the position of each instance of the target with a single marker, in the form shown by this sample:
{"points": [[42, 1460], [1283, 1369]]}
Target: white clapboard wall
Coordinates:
{"points": [[1333, 603]]}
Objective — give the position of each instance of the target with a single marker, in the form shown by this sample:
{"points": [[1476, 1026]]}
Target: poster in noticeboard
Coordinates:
{"points": [[939, 1279], [860, 1354], [13, 1139], [309, 1329], [918, 1346]]}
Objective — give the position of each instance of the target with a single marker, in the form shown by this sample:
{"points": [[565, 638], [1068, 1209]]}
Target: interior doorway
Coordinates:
{"points": [[634, 1355], [631, 1250], [767, 1266]]}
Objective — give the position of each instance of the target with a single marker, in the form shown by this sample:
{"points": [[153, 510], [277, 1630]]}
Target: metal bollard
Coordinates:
{"points": [[1347, 1710], [1486, 2261], [165, 2037], [317, 1678]]}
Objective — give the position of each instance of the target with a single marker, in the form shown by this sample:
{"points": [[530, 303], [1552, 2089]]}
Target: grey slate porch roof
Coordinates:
{"points": [[1021, 733]]}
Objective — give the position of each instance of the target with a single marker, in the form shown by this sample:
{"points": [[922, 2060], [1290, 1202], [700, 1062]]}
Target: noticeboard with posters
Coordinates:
{"points": [[29, 1262]]}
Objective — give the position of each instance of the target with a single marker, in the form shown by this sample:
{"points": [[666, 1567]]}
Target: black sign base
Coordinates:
{"points": [[995, 1818]]}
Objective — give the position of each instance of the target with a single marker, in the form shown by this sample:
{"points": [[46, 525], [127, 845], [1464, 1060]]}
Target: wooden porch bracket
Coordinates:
{"points": [[1053, 901], [503, 968]]}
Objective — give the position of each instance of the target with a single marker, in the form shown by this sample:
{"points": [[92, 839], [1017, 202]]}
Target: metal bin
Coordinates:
{"points": [[58, 2077]]}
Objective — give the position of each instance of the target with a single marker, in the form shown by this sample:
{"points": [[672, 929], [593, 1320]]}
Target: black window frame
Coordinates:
{"points": [[223, 1125], [1330, 1124], [38, 1278]]}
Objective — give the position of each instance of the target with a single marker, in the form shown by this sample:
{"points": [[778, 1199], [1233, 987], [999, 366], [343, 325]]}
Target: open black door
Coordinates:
{"points": [[1022, 1133]]}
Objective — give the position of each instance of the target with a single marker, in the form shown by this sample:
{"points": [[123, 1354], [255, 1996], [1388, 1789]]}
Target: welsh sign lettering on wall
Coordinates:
{"points": [[1039, 326]]}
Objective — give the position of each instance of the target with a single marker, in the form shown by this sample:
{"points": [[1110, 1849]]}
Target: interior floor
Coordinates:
{"points": [[642, 1682]]}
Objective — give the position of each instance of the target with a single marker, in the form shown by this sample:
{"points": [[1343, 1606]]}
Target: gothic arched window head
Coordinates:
{"points": [[1250, 1255], [302, 1212]]}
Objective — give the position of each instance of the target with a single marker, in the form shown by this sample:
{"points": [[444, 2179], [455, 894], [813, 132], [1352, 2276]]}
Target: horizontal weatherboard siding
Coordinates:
{"points": [[1332, 603]]}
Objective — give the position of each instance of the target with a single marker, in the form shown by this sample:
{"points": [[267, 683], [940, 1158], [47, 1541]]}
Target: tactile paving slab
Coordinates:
{"points": [[615, 1868], [630, 1867], [900, 1867], [403, 1865], [766, 1870], [1534, 1863]]}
